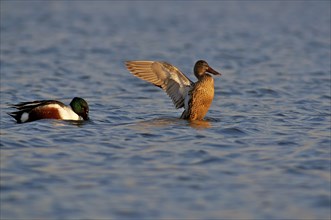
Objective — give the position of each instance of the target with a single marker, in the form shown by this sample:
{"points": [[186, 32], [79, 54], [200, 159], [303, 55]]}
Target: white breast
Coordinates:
{"points": [[66, 113]]}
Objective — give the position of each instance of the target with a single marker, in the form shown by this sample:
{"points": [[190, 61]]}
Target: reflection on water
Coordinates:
{"points": [[262, 152], [158, 122], [171, 122], [200, 124], [78, 123]]}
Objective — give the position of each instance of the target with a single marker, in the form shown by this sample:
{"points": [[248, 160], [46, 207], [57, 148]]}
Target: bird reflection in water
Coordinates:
{"points": [[171, 122], [199, 124]]}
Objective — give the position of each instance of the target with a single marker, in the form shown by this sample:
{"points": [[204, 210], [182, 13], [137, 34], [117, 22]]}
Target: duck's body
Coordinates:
{"points": [[199, 99], [50, 109], [196, 98]]}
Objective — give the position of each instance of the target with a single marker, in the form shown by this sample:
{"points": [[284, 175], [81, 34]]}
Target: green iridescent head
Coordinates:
{"points": [[80, 107]]}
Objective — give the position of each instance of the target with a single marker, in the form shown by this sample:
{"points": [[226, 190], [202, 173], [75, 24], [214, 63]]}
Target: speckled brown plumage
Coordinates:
{"points": [[202, 95], [196, 98]]}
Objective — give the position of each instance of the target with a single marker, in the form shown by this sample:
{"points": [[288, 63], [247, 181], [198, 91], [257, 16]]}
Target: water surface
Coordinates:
{"points": [[263, 151]]}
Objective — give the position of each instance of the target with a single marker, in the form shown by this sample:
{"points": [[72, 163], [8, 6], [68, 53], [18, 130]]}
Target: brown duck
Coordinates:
{"points": [[196, 98]]}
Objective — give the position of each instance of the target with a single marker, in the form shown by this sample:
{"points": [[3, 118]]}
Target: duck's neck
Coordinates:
{"points": [[202, 76]]}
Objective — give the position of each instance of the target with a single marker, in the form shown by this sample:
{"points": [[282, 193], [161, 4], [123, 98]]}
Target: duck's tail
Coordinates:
{"points": [[17, 115]]}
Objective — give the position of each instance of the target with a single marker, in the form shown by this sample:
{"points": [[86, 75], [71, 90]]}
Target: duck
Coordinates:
{"points": [[195, 97], [78, 109]]}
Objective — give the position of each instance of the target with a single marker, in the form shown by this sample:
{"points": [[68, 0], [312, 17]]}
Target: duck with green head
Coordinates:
{"points": [[51, 109]]}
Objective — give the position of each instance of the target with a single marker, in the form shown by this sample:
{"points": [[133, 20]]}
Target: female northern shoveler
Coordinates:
{"points": [[196, 98], [51, 109]]}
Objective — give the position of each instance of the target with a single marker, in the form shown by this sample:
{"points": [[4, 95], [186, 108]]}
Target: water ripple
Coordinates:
{"points": [[262, 152]]}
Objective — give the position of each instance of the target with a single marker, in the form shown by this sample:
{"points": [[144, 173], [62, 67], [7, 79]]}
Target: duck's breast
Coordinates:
{"points": [[202, 97]]}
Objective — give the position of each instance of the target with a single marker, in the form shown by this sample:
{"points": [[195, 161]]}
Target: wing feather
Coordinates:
{"points": [[27, 106], [164, 75]]}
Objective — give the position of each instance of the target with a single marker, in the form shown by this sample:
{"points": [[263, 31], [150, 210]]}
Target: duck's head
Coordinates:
{"points": [[201, 67], [80, 107]]}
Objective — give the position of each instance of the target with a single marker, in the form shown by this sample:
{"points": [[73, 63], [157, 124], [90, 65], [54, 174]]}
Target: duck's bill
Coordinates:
{"points": [[85, 117], [212, 71]]}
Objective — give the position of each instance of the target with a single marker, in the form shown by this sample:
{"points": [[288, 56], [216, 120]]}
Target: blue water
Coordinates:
{"points": [[262, 153]]}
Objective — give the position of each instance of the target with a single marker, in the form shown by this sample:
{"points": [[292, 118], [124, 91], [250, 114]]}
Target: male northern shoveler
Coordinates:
{"points": [[196, 98], [51, 109]]}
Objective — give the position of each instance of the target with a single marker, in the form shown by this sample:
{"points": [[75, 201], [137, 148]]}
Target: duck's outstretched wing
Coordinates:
{"points": [[165, 76]]}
